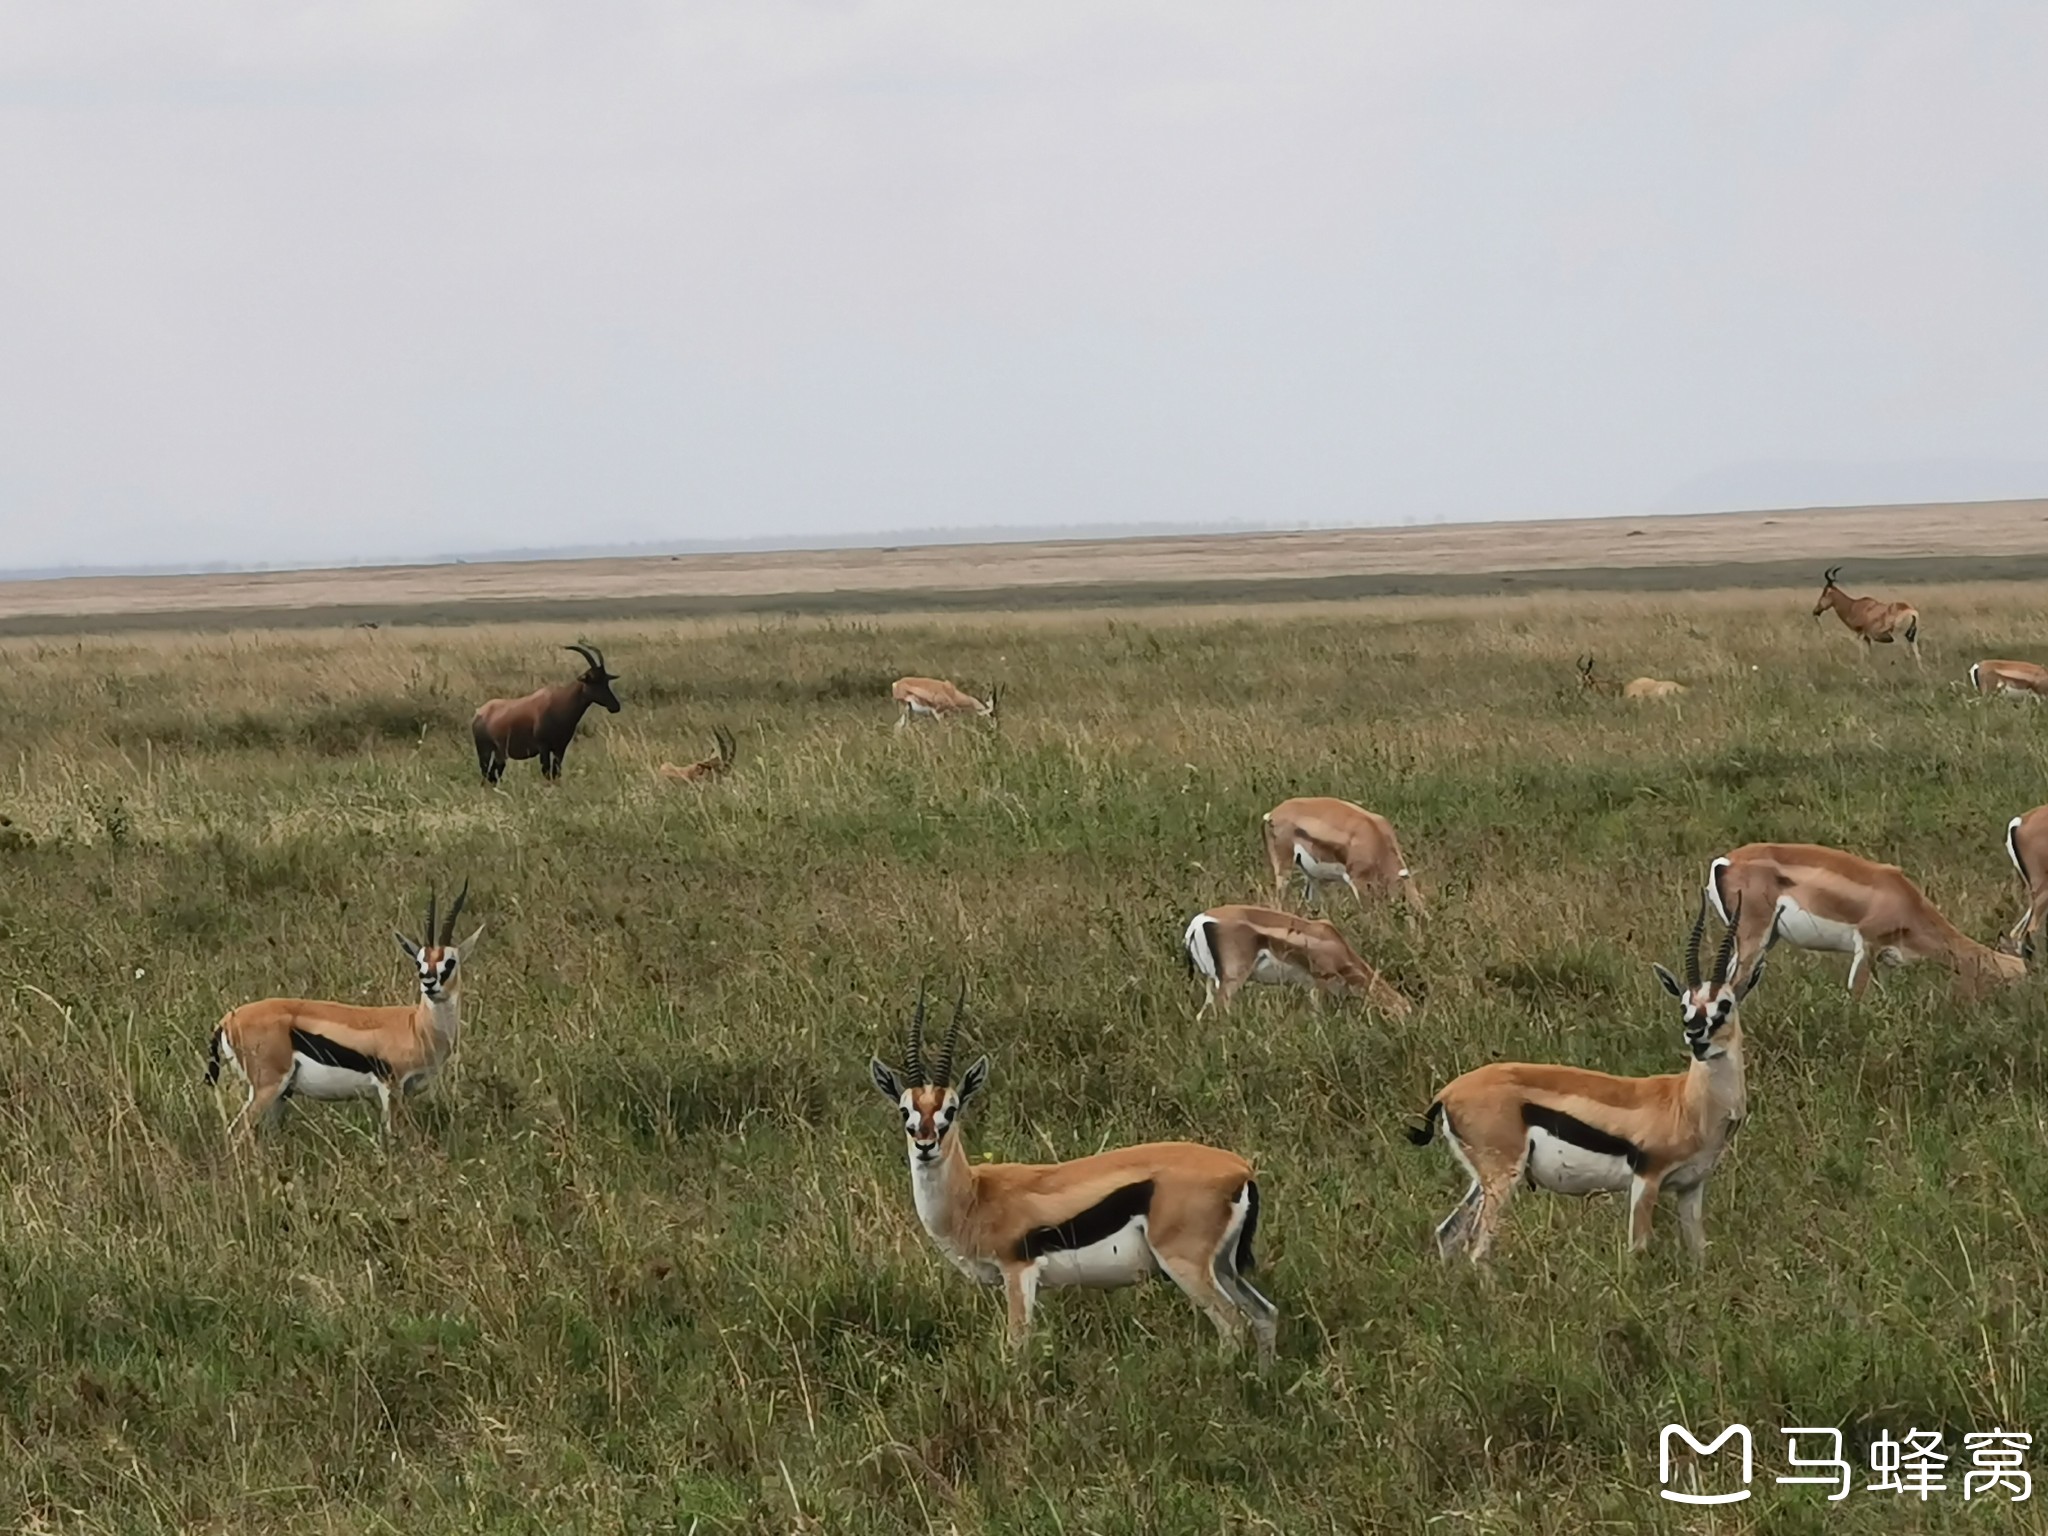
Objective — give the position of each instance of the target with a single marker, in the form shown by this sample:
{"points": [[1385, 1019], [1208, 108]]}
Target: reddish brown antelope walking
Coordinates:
{"points": [[543, 723], [1871, 620]]}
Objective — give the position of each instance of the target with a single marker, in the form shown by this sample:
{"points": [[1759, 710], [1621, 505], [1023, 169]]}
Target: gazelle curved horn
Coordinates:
{"points": [[433, 905], [1725, 959], [944, 1076], [448, 924], [913, 1043], [1692, 947]]}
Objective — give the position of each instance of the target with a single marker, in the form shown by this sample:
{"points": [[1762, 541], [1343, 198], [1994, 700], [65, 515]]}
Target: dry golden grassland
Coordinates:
{"points": [[647, 1261]]}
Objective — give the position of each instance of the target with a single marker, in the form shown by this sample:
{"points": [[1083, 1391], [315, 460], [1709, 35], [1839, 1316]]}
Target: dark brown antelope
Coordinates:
{"points": [[544, 722], [705, 768], [1870, 619]]}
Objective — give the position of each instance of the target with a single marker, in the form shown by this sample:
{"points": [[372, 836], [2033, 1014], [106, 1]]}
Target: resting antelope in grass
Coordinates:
{"points": [[1172, 1207], [543, 723], [286, 1046], [1634, 688], [705, 768], [2026, 840], [2016, 679], [939, 699], [1581, 1133], [1823, 898], [1333, 842], [1229, 946], [1871, 620]]}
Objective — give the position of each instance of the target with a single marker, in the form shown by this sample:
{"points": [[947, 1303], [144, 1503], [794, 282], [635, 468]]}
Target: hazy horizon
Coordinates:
{"points": [[290, 285]]}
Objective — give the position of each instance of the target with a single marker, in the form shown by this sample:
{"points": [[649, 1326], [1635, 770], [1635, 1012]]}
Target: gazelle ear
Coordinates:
{"points": [[407, 945], [1670, 981], [974, 1081], [470, 943], [884, 1077]]}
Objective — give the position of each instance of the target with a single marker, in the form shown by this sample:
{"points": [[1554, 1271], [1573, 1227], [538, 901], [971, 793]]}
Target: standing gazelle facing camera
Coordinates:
{"points": [[1581, 1133], [1171, 1207], [286, 1046]]}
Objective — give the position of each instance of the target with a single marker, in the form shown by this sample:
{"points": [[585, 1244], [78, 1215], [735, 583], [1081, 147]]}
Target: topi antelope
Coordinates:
{"points": [[1173, 1207], [2026, 840], [939, 699], [1870, 619], [543, 723], [1578, 1132], [1634, 688], [1333, 842], [2017, 679], [1229, 946], [286, 1046], [705, 768], [1823, 898]]}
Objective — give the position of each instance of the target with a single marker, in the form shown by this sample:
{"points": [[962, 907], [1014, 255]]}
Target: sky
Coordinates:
{"points": [[388, 279]]}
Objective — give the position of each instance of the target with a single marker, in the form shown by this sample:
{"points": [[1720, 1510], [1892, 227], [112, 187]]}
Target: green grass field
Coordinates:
{"points": [[647, 1260]]}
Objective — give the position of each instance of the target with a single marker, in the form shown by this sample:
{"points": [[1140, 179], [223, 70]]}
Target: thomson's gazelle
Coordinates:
{"points": [[2026, 840], [939, 699], [2020, 679], [287, 1046], [1173, 1207], [1333, 842], [1822, 898], [1582, 1133], [1229, 946]]}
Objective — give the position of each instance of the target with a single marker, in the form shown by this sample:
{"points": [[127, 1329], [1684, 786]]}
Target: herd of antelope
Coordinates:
{"points": [[1189, 1212]]}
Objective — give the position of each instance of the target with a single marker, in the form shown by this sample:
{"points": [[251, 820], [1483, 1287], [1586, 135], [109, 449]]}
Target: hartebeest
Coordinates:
{"points": [[705, 768], [1871, 620], [543, 723], [287, 1046], [938, 699], [1578, 1132], [1175, 1208], [1333, 842], [1634, 688], [1229, 946], [2026, 840], [1822, 898], [2016, 679]]}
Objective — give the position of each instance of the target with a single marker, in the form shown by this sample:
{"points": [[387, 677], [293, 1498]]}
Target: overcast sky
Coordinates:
{"points": [[302, 283]]}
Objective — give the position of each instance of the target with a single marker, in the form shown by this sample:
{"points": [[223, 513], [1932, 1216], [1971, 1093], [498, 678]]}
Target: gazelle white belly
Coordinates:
{"points": [[1275, 972], [1122, 1258], [316, 1080], [1798, 926], [1319, 873], [1570, 1169]]}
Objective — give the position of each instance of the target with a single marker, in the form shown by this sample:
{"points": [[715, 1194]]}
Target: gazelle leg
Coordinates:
{"points": [[1454, 1232], [1225, 991], [1692, 1205], [1263, 1316], [1200, 1286], [1020, 1288], [1493, 1199], [1861, 964], [1642, 1204]]}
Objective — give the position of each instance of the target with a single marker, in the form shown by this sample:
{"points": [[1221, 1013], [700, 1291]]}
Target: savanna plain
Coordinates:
{"points": [[647, 1259]]}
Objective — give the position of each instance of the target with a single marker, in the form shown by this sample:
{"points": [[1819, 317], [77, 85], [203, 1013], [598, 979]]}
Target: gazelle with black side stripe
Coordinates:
{"points": [[286, 1047], [1229, 946], [1326, 841], [1172, 1208], [2026, 842], [1580, 1133]]}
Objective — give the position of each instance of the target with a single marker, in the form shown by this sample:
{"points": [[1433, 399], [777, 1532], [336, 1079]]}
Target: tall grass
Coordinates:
{"points": [[648, 1260]]}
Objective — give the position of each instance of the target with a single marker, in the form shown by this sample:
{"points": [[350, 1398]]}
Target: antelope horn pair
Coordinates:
{"points": [[913, 1050], [1722, 957], [1830, 574], [589, 653], [447, 930]]}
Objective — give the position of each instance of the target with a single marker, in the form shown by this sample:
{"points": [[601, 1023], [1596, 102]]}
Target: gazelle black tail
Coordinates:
{"points": [[1422, 1135]]}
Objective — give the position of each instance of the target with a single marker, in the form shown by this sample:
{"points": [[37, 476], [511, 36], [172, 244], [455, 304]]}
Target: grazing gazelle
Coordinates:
{"points": [[542, 723], [1822, 898], [1229, 946], [2026, 839], [1171, 1207], [1634, 688], [1579, 1132], [705, 768], [1871, 620], [2020, 679], [287, 1047], [1333, 842], [938, 698]]}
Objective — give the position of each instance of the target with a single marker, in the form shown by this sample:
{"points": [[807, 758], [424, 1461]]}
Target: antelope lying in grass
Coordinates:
{"points": [[1173, 1207], [1871, 620], [1634, 688], [543, 723], [286, 1046], [938, 699], [2016, 679], [1229, 946], [1823, 898], [1333, 842], [705, 768], [1580, 1133], [2026, 840]]}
